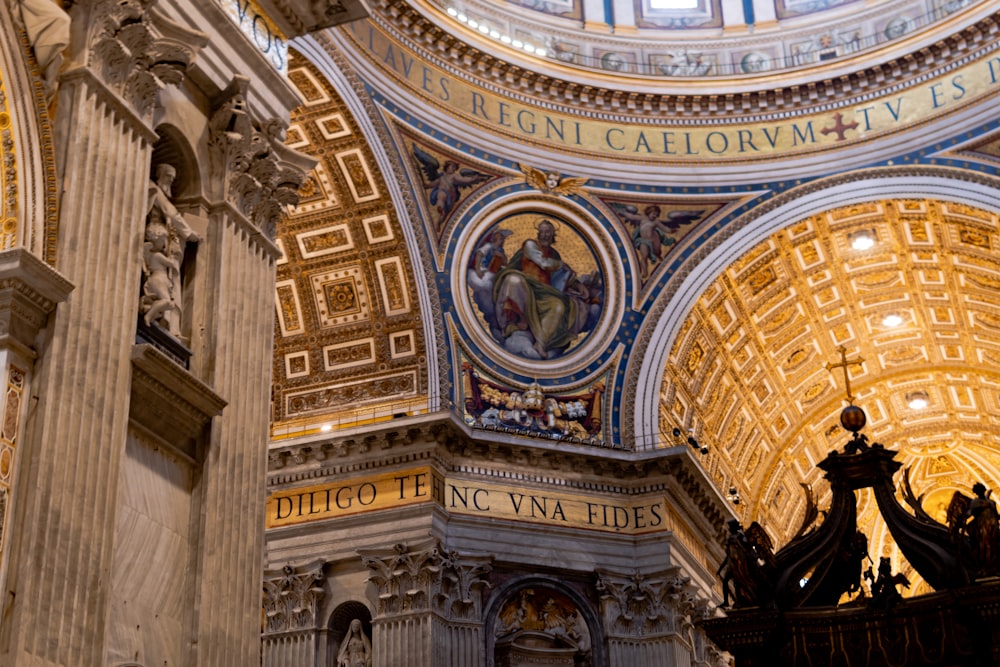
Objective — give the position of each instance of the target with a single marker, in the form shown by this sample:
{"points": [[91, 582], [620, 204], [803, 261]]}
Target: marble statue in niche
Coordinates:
{"points": [[356, 650], [540, 301], [166, 236]]}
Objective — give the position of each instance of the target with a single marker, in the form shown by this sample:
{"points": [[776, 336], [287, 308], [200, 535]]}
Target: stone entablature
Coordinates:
{"points": [[440, 465]]}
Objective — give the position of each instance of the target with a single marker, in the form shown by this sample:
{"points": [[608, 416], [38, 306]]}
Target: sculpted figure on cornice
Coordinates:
{"points": [[491, 405], [428, 578], [292, 598], [261, 175], [135, 49]]}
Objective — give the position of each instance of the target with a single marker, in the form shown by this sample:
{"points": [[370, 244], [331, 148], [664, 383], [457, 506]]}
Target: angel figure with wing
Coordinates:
{"points": [[976, 519], [651, 233], [445, 183], [552, 182], [747, 569]]}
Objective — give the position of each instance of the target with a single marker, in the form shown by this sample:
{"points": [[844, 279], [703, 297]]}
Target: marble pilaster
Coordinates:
{"points": [[73, 446]]}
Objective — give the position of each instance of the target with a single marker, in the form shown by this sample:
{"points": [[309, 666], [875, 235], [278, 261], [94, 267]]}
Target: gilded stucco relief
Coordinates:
{"points": [[754, 351], [349, 343]]}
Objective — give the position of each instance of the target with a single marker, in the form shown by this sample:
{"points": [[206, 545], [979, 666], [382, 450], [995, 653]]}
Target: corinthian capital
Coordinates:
{"points": [[292, 597], [260, 174], [643, 605], [136, 50], [428, 578]]}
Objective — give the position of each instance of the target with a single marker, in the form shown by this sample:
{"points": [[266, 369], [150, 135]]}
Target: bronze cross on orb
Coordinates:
{"points": [[844, 363]]}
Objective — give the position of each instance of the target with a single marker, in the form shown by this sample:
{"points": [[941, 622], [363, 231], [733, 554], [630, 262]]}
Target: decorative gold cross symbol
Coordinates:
{"points": [[844, 363]]}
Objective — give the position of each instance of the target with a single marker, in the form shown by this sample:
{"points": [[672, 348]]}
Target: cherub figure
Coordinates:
{"points": [[161, 270], [552, 182], [445, 183], [651, 233]]}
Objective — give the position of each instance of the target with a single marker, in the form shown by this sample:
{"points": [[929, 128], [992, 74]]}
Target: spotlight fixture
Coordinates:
{"points": [[677, 432], [704, 449], [863, 239], [892, 320], [917, 400], [733, 496]]}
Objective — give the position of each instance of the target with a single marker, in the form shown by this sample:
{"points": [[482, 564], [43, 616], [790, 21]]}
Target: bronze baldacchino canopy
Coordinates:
{"points": [[807, 604]]}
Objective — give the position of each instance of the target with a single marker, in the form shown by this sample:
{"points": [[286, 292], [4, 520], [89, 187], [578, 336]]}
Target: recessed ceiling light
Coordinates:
{"points": [[917, 400], [862, 240], [892, 320], [326, 427], [473, 23], [452, 11]]}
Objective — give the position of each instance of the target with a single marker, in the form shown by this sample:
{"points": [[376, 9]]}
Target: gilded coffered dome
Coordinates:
{"points": [[753, 373]]}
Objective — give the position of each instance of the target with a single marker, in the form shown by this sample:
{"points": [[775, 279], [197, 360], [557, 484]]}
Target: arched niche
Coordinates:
{"points": [[537, 620], [169, 245], [173, 148], [339, 625]]}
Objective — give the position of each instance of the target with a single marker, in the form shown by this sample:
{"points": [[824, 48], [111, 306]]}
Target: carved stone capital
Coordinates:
{"points": [[642, 605], [292, 597], [261, 175], [426, 578], [136, 50]]}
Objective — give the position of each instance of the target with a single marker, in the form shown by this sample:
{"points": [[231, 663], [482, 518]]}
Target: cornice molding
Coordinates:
{"points": [[30, 290], [417, 32], [457, 449]]}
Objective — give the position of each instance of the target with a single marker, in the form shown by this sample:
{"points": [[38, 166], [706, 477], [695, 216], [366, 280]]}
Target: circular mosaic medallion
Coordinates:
{"points": [[536, 282]]}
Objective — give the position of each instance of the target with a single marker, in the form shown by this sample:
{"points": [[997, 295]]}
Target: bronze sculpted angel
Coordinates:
{"points": [[975, 528]]}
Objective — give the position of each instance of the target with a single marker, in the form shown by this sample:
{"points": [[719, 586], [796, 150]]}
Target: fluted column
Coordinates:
{"points": [[234, 350], [429, 607]]}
